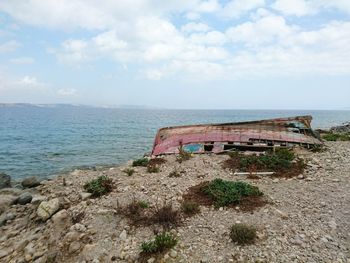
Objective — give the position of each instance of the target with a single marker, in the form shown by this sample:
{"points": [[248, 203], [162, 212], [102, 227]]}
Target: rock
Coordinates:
{"points": [[5, 180], [6, 201], [74, 246], [47, 209], [275, 180], [300, 176], [38, 199], [30, 182], [151, 260], [3, 253], [173, 254], [283, 215], [85, 196], [123, 235], [60, 219], [24, 198]]}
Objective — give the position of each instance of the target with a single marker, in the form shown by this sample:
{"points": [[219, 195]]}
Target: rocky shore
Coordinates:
{"points": [[307, 218]]}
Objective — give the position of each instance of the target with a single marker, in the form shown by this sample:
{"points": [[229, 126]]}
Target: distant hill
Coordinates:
{"points": [[62, 105]]}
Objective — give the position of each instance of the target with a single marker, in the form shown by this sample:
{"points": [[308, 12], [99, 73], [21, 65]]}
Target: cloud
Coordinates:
{"points": [[9, 46], [67, 92], [236, 8], [22, 60], [25, 83], [195, 27]]}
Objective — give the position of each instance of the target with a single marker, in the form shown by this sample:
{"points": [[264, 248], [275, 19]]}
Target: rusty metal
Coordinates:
{"points": [[222, 137]]}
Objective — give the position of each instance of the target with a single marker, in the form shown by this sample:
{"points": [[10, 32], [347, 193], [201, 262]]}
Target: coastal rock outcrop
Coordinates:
{"points": [[5, 180], [30, 182], [47, 209]]}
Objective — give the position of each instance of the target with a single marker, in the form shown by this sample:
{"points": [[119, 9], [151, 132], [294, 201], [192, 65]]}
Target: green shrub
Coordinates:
{"points": [[190, 208], [332, 137], [129, 171], [243, 234], [225, 193], [153, 169], [100, 186], [162, 242], [140, 162]]}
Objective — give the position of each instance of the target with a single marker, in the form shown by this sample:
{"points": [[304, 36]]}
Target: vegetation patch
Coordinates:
{"points": [[190, 208], [183, 155], [100, 186], [153, 169], [175, 173], [135, 212], [166, 216], [156, 161], [332, 137], [161, 243], [226, 193], [140, 162], [129, 171], [281, 161], [243, 234]]}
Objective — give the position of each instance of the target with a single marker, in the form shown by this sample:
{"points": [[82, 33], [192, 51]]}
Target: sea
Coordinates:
{"points": [[46, 141]]}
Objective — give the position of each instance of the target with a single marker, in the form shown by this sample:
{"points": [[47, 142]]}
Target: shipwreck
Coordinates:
{"points": [[251, 135]]}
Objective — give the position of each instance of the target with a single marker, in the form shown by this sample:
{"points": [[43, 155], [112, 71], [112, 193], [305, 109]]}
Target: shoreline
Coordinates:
{"points": [[306, 219]]}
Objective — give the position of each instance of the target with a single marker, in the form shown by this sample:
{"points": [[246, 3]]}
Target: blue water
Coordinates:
{"points": [[47, 141]]}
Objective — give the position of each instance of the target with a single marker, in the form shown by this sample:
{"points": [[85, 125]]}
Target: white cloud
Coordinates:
{"points": [[9, 46], [295, 7], [154, 74], [25, 83], [67, 92], [236, 8], [195, 27], [22, 60]]}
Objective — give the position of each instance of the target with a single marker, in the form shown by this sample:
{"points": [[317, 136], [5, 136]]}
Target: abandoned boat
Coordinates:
{"points": [[251, 135]]}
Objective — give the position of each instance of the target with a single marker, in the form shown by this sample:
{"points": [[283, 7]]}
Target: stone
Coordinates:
{"points": [[5, 180], [123, 235], [38, 199], [85, 196], [3, 253], [283, 215], [60, 219], [275, 180], [151, 260], [24, 198], [173, 254], [47, 209], [5, 201], [74, 246], [300, 176], [30, 182]]}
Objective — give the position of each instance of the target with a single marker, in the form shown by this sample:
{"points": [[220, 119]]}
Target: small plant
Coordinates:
{"points": [[129, 171], [153, 169], [143, 204], [175, 173], [100, 186], [183, 155], [228, 192], [161, 243], [166, 216], [190, 208], [243, 234], [140, 162], [332, 137]]}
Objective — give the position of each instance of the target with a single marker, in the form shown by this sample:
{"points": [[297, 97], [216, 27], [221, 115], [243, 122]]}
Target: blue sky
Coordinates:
{"points": [[194, 54]]}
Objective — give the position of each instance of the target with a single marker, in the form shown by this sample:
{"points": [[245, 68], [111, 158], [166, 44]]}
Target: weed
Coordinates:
{"points": [[161, 243], [140, 162], [175, 173], [190, 208], [225, 193], [153, 169], [166, 216], [183, 155], [156, 161], [332, 137], [100, 186], [143, 204], [129, 171], [243, 234]]}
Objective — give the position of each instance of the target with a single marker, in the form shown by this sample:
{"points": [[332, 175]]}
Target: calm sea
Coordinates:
{"points": [[47, 141]]}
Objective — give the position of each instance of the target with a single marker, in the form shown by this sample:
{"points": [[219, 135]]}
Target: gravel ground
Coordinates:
{"points": [[306, 220]]}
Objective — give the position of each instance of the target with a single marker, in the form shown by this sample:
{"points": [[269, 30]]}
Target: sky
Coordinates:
{"points": [[192, 54]]}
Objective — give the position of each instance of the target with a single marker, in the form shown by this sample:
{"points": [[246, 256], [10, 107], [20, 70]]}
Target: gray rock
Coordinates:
{"points": [[47, 209], [123, 235], [85, 196], [74, 246], [6, 201], [5, 180], [24, 198], [5, 217], [30, 182]]}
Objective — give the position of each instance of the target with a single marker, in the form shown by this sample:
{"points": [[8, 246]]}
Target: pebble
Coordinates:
{"points": [[24, 198], [173, 254]]}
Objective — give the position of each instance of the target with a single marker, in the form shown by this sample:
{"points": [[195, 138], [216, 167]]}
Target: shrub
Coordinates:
{"points": [[166, 216], [153, 169], [227, 192], [100, 186], [162, 242], [243, 234], [190, 208], [140, 162], [332, 137], [129, 171], [183, 155]]}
